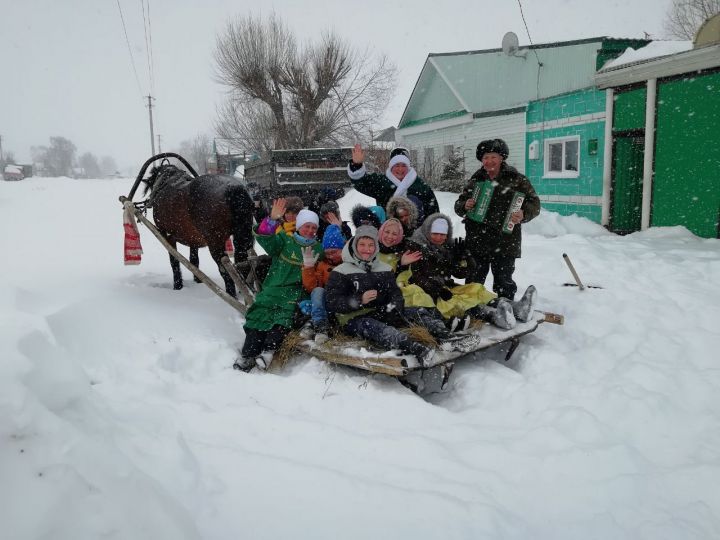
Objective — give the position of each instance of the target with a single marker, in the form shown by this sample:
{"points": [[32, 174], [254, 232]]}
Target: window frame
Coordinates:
{"points": [[547, 173]]}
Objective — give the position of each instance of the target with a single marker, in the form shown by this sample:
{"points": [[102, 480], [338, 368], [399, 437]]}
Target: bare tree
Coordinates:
{"points": [[108, 165], [9, 159], [89, 162], [197, 151], [58, 158], [684, 17], [285, 96]]}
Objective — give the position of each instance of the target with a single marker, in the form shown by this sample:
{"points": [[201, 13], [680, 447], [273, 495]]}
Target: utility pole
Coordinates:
{"points": [[152, 134], [2, 159], [159, 146]]}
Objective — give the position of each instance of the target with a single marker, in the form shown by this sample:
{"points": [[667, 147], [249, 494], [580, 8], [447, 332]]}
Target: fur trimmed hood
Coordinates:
{"points": [[397, 203], [422, 235]]}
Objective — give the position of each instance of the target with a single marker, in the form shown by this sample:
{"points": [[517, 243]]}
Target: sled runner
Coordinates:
{"points": [[431, 378]]}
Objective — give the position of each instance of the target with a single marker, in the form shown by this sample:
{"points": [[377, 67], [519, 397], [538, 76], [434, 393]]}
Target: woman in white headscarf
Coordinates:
{"points": [[400, 180]]}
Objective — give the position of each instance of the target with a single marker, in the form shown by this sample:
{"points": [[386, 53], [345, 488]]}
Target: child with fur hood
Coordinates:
{"points": [[367, 302], [406, 211], [442, 259]]}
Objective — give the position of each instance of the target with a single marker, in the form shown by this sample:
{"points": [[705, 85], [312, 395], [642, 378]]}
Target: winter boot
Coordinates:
{"points": [[244, 363], [501, 316], [322, 331], [462, 343], [504, 317], [425, 355], [459, 324], [464, 323], [523, 309], [264, 360], [307, 331]]}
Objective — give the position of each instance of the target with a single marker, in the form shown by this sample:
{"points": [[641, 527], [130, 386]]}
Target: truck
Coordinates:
{"points": [[14, 172], [313, 174]]}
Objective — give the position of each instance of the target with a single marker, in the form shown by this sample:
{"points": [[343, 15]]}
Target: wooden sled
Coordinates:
{"points": [[422, 379]]}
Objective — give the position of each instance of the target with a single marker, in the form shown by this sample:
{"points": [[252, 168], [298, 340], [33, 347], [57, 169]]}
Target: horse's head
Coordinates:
{"points": [[161, 173]]}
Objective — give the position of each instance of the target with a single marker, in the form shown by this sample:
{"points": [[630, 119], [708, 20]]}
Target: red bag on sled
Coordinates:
{"points": [[132, 248]]}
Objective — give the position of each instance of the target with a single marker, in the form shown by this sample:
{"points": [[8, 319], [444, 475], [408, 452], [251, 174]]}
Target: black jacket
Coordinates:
{"points": [[349, 280], [439, 264]]}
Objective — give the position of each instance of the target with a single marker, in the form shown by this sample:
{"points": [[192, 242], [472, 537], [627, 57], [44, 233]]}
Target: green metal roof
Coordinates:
{"points": [[486, 80]]}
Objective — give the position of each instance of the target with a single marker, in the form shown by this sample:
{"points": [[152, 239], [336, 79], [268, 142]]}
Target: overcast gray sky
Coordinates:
{"points": [[67, 71]]}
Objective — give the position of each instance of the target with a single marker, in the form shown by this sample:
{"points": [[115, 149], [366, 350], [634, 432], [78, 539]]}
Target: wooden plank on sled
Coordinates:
{"points": [[214, 287], [240, 284], [552, 318], [376, 363]]}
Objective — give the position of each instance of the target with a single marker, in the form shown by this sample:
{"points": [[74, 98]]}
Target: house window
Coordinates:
{"points": [[562, 157], [448, 151], [429, 156]]}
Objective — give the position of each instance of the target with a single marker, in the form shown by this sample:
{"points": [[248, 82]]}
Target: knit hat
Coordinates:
{"points": [[492, 145], [306, 216], [330, 207], [400, 158], [365, 231], [293, 204], [362, 215], [379, 211], [399, 150], [440, 226], [333, 238]]}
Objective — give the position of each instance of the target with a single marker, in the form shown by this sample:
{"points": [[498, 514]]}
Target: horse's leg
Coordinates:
{"points": [[175, 265], [217, 253], [195, 260]]}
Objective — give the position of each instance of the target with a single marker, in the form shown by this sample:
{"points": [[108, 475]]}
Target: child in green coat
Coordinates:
{"points": [[270, 318]]}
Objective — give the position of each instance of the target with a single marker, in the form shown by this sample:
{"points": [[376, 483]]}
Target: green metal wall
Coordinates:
{"points": [[686, 186], [561, 108], [629, 109]]}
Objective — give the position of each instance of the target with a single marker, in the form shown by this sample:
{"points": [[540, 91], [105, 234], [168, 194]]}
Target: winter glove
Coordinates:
{"points": [[446, 294], [458, 249], [309, 257]]}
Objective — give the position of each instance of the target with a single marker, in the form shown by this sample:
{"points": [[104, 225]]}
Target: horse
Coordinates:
{"points": [[201, 211]]}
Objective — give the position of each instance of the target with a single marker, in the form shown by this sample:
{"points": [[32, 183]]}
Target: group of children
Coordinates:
{"points": [[395, 271]]}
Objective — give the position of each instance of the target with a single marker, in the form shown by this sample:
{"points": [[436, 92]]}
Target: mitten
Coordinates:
{"points": [[309, 257], [446, 294], [458, 248]]}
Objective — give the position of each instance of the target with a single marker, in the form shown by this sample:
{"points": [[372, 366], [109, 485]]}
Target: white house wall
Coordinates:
{"points": [[466, 136]]}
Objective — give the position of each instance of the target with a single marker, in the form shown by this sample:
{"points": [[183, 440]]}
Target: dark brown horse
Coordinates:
{"points": [[200, 211]]}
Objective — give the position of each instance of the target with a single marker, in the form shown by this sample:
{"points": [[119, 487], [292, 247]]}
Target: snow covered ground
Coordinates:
{"points": [[120, 415]]}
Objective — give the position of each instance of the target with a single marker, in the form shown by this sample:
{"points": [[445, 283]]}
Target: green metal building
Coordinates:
{"points": [[541, 99], [662, 151]]}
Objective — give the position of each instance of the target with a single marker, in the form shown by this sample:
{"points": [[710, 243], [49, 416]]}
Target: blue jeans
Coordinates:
{"points": [[318, 313]]}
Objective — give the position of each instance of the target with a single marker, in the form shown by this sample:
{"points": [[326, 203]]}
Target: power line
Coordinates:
{"points": [[132, 60], [539, 63], [148, 43], [147, 27], [528, 33]]}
